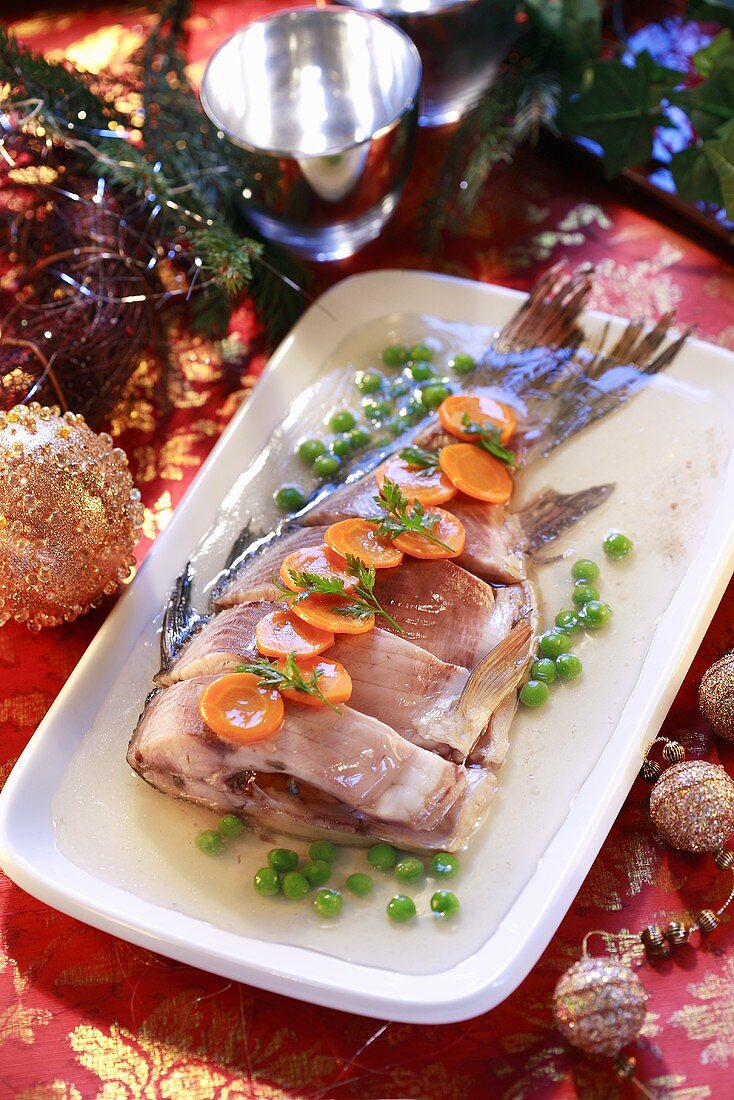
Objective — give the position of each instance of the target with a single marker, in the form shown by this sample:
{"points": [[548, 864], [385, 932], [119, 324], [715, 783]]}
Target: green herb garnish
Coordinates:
{"points": [[488, 439], [285, 677], [362, 599], [405, 516], [417, 456]]}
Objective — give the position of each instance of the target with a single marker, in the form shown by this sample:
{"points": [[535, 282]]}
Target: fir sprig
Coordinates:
{"points": [[362, 599], [286, 677], [403, 516], [488, 439], [426, 461]]}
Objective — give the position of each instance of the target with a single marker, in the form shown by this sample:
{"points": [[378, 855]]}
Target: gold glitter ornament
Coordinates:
{"points": [[599, 1005], [69, 516], [716, 697], [692, 806]]}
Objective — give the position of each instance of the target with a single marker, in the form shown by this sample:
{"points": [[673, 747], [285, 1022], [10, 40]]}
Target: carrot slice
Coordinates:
{"points": [[359, 537], [481, 410], [236, 708], [476, 473], [335, 683], [323, 612], [427, 486], [281, 632], [319, 560], [448, 529]]}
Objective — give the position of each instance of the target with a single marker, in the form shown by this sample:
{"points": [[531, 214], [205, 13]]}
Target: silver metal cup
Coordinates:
{"points": [[324, 103], [461, 43]]}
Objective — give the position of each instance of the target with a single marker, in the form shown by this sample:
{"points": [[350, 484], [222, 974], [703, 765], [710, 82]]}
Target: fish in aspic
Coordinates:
{"points": [[412, 753]]}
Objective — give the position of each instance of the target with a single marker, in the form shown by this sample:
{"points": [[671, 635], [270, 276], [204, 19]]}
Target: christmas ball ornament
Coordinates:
{"points": [[69, 516], [716, 697], [692, 806], [599, 1005]]}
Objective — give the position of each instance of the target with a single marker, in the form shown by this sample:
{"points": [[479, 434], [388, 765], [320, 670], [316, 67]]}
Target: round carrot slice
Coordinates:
{"points": [[236, 708], [323, 612], [481, 410], [427, 486], [448, 529], [319, 560], [360, 538], [281, 632], [476, 473], [334, 682]]}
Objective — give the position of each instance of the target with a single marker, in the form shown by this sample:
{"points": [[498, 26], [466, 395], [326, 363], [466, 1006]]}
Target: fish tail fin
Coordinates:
{"points": [[496, 676], [549, 316], [180, 620], [549, 514]]}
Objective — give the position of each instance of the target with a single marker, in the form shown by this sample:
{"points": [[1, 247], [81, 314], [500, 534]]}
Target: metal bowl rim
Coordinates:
{"points": [[410, 103]]}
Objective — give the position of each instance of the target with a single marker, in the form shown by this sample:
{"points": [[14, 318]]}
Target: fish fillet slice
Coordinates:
{"points": [[223, 643], [250, 580], [350, 756]]}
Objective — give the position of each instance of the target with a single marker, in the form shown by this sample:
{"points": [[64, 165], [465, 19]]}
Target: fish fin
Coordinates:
{"points": [[495, 676], [549, 316], [549, 514], [180, 620]]}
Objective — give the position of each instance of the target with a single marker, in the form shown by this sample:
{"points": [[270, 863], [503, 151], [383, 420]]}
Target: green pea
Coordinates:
{"points": [[544, 669], [421, 372], [616, 545], [582, 593], [310, 449], [290, 498], [595, 614], [230, 825], [445, 864], [434, 395], [342, 421], [322, 849], [462, 364], [317, 871], [377, 410], [568, 666], [420, 353], [445, 904], [267, 882], [568, 621], [359, 884], [396, 355], [553, 642], [383, 857], [283, 859], [368, 381], [328, 903], [400, 908], [295, 885], [358, 438], [341, 446], [409, 869], [325, 465], [210, 842], [534, 693], [584, 570]]}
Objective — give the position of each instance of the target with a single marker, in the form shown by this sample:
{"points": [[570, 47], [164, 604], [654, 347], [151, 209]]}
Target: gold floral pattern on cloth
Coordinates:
{"points": [[84, 1016]]}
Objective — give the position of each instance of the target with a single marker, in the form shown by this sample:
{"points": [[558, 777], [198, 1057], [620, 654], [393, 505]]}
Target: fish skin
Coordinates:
{"points": [[350, 756]]}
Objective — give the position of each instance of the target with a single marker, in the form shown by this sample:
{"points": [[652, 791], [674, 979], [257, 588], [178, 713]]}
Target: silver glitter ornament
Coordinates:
{"points": [[692, 806], [599, 1005]]}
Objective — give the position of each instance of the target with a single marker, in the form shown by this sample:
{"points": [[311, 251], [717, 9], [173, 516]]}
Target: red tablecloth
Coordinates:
{"points": [[85, 1015]]}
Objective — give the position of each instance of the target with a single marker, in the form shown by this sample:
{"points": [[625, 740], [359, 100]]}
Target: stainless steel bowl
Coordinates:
{"points": [[325, 102]]}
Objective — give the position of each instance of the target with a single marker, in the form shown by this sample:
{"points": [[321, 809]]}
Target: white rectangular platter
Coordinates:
{"points": [[79, 831]]}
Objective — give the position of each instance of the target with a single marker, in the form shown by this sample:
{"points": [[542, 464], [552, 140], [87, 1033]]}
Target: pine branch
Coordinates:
{"points": [[537, 104]]}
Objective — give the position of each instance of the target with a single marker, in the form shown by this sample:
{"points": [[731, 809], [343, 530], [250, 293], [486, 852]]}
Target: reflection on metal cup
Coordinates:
{"points": [[323, 102], [461, 44]]}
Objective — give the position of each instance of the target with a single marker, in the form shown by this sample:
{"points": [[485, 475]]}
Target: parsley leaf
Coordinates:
{"points": [[488, 439]]}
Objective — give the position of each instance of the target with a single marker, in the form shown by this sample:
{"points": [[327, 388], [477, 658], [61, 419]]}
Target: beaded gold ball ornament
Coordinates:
{"points": [[692, 806], [69, 516], [716, 697], [599, 1005]]}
